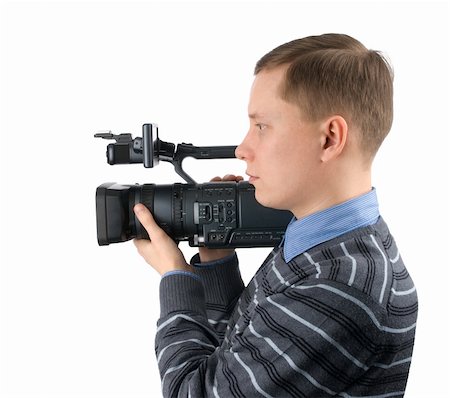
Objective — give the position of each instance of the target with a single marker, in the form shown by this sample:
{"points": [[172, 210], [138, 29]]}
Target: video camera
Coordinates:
{"points": [[214, 214]]}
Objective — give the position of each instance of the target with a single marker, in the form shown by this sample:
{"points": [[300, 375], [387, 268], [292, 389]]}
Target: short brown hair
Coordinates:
{"points": [[336, 74]]}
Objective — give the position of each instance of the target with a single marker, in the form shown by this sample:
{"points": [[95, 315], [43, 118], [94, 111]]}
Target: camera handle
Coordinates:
{"points": [[198, 152], [149, 150]]}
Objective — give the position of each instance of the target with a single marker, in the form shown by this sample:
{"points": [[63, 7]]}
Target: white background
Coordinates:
{"points": [[78, 320]]}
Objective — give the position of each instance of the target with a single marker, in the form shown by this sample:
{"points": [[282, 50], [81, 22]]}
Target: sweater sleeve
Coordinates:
{"points": [[222, 284], [296, 343]]}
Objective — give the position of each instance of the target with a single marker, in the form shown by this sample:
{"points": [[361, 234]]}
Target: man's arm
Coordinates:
{"points": [[223, 286], [217, 268], [220, 277]]}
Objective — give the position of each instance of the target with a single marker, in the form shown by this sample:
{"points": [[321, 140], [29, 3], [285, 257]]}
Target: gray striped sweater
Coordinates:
{"points": [[337, 320]]}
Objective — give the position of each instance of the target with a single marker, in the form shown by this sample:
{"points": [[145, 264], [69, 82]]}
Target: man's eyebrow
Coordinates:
{"points": [[255, 115]]}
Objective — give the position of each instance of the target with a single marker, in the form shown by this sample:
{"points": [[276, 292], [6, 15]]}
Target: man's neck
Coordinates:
{"points": [[335, 193]]}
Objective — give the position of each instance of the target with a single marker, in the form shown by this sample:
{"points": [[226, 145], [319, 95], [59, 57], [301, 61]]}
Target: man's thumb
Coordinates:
{"points": [[145, 217]]}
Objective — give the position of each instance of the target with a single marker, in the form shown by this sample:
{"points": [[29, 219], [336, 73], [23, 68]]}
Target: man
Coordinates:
{"points": [[332, 311]]}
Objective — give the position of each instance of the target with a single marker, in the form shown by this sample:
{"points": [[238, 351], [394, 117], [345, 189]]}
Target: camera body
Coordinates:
{"points": [[214, 214]]}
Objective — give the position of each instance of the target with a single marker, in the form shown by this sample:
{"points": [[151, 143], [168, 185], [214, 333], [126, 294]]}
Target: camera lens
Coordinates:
{"points": [[165, 203]]}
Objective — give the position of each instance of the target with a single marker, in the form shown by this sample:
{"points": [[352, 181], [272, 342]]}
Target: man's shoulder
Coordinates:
{"points": [[358, 277], [366, 260]]}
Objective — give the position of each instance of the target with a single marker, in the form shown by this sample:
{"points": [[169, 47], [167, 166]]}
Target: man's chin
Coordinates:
{"points": [[261, 199], [265, 201]]}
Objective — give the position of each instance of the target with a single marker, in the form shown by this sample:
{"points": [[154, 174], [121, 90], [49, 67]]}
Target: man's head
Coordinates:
{"points": [[319, 109], [336, 74]]}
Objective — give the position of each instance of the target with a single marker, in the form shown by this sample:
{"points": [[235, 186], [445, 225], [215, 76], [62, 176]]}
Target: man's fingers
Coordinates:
{"points": [[146, 219], [232, 177], [228, 177]]}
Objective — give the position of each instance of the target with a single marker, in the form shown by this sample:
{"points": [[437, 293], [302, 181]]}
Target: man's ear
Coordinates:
{"points": [[334, 131]]}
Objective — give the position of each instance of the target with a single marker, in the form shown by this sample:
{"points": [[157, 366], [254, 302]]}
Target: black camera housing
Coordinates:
{"points": [[214, 214]]}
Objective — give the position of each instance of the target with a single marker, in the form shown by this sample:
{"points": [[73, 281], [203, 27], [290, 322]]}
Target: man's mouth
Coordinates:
{"points": [[251, 178]]}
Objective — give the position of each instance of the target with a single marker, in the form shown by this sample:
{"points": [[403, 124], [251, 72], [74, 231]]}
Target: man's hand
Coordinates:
{"points": [[206, 254], [161, 252]]}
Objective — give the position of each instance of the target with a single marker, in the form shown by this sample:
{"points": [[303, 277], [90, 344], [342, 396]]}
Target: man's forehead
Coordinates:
{"points": [[268, 80], [265, 105]]}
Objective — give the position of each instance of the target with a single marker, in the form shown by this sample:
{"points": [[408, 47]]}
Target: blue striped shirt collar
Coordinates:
{"points": [[327, 224]]}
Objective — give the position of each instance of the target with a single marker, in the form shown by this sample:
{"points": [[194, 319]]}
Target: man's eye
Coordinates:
{"points": [[260, 126]]}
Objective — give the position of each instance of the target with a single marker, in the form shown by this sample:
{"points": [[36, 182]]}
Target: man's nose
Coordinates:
{"points": [[241, 151], [238, 152]]}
